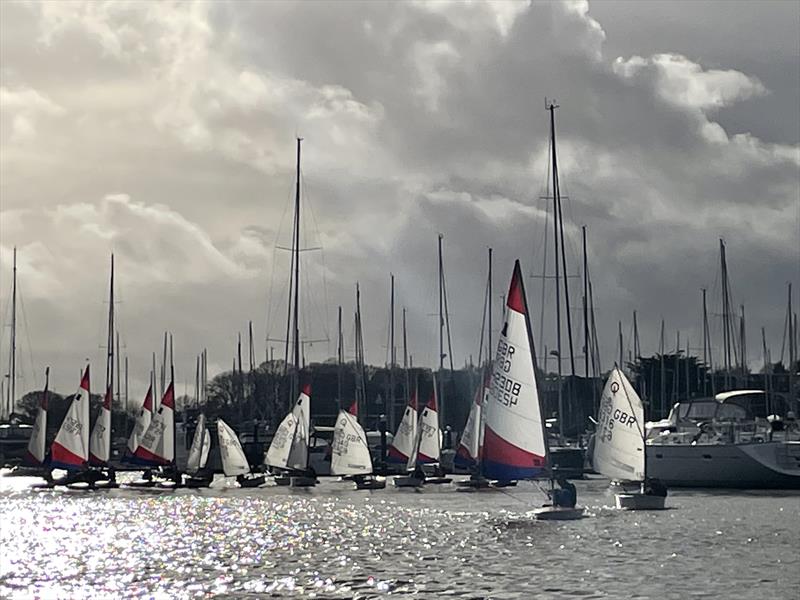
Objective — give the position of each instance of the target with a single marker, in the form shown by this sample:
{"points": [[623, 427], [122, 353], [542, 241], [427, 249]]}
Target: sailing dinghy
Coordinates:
{"points": [[288, 450], [197, 476], [35, 459], [429, 448], [619, 445], [515, 442], [70, 449], [234, 461], [156, 448], [350, 455], [470, 447]]}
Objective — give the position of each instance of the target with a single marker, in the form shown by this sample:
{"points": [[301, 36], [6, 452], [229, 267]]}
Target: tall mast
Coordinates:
{"points": [[296, 249], [726, 315], [586, 305], [621, 349], [663, 373], [792, 322], [12, 360], [552, 108], [490, 353], [441, 322], [389, 410], [339, 361], [743, 342], [405, 360], [111, 336]]}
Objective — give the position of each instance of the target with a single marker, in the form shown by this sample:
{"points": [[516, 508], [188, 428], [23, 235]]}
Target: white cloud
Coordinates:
{"points": [[685, 83]]}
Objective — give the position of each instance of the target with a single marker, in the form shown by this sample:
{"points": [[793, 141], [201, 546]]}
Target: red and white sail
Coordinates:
{"points": [[37, 444], [157, 446], [405, 439], [350, 451], [100, 440], [70, 449], [142, 421], [514, 444], [430, 434]]}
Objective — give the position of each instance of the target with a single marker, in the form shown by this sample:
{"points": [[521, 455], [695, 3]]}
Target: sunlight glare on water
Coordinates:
{"points": [[332, 542]]}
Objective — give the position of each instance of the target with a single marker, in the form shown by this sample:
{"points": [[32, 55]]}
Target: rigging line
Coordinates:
{"points": [[27, 333], [270, 296], [316, 231]]}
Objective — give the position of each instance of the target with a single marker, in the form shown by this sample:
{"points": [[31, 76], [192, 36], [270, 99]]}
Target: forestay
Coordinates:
{"points": [[234, 462], [70, 449], [619, 451], [514, 445]]}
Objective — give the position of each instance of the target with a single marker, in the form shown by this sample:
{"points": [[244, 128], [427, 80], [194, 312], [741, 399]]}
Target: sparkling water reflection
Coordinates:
{"points": [[335, 543]]}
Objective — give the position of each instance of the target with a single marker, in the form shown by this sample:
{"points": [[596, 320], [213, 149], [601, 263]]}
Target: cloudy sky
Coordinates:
{"points": [[165, 133]]}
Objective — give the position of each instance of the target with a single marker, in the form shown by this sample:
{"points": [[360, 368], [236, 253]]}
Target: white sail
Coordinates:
{"points": [[619, 451], [200, 443], [70, 449], [234, 462], [158, 443], [404, 443], [468, 453], [278, 452], [298, 454], [37, 444], [349, 452], [142, 421], [514, 446], [100, 440], [430, 434]]}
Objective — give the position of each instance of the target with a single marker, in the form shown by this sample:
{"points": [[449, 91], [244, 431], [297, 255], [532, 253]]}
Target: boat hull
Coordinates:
{"points": [[638, 501], [375, 483], [301, 481], [558, 513], [406, 481], [765, 465], [252, 482]]}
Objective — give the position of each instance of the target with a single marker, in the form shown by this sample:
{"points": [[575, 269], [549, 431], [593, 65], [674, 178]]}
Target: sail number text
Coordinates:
{"points": [[505, 389]]}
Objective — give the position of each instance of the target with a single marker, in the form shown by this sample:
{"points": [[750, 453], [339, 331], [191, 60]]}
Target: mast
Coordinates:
{"points": [[552, 108], [441, 324], [339, 350], [296, 250], [586, 306], [707, 348], [490, 353], [389, 410], [767, 368], [663, 374], [620, 345], [405, 361], [111, 339], [12, 360]]}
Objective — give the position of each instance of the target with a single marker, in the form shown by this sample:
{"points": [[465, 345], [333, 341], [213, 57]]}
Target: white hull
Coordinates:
{"points": [[558, 513], [754, 465], [639, 501]]}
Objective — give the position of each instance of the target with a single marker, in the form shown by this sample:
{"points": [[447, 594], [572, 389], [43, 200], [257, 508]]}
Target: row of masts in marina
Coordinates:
{"points": [[734, 351]]}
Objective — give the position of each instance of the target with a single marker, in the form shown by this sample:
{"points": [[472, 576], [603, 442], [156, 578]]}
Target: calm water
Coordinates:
{"points": [[334, 543]]}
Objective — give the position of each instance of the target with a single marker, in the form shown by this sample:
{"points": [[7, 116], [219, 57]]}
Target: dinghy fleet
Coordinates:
{"points": [[504, 441]]}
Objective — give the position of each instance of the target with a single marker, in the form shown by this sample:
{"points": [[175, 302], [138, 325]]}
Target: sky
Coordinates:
{"points": [[165, 133]]}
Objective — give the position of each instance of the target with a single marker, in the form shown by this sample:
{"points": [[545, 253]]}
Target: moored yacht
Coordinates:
{"points": [[719, 443]]}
